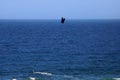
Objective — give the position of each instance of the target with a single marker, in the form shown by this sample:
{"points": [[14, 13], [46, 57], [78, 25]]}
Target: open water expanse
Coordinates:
{"points": [[49, 50]]}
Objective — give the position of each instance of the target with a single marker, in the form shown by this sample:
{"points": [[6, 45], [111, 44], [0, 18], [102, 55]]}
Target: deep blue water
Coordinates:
{"points": [[76, 50]]}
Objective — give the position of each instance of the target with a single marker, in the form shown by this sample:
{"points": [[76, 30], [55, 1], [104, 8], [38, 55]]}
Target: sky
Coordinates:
{"points": [[55, 9]]}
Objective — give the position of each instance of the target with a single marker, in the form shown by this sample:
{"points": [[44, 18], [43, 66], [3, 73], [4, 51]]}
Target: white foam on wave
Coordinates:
{"points": [[50, 74], [43, 73], [116, 78], [31, 78], [14, 79]]}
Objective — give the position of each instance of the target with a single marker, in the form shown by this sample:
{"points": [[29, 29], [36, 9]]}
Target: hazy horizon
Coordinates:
{"points": [[52, 9]]}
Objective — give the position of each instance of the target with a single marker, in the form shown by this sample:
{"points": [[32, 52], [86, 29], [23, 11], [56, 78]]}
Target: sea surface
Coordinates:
{"points": [[49, 50]]}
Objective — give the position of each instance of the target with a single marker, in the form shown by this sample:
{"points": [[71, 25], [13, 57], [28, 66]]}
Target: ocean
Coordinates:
{"points": [[49, 50]]}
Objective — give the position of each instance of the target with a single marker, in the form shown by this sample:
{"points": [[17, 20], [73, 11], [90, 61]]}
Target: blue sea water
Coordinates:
{"points": [[76, 50]]}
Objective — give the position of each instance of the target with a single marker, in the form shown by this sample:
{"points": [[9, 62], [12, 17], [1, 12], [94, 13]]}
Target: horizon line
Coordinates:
{"points": [[66, 18]]}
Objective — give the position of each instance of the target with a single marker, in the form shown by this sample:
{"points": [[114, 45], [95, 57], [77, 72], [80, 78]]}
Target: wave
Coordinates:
{"points": [[111, 79], [14, 79], [32, 78], [64, 77], [43, 73], [50, 74], [116, 78]]}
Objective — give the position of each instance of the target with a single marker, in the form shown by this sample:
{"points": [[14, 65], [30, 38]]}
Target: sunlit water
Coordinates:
{"points": [[76, 50]]}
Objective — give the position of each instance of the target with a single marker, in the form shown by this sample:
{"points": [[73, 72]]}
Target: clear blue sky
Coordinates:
{"points": [[54, 9]]}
